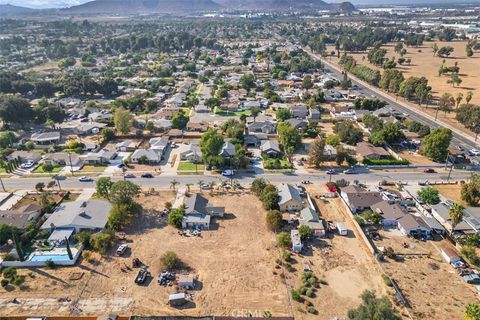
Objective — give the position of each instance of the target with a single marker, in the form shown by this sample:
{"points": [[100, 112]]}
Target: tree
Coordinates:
{"points": [[102, 241], [458, 99], [211, 144], [468, 97], [269, 197], [284, 240], [472, 311], [454, 80], [435, 145], [348, 132], [283, 114], [274, 220], [429, 195], [456, 214], [305, 232], [170, 260], [258, 185], [123, 192], [83, 237], [47, 167], [254, 112], [445, 51], [175, 217], [179, 120], [108, 134], [333, 140], [289, 138], [316, 151], [373, 308], [307, 82], [469, 51], [470, 192], [14, 109], [6, 232], [6, 139], [103, 187], [122, 120], [247, 81], [173, 184], [435, 48], [118, 216]]}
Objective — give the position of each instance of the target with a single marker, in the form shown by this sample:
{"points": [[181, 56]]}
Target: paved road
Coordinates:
{"points": [[163, 181], [459, 137]]}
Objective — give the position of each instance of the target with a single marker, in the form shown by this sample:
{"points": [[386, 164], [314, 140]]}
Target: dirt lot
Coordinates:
{"points": [[432, 287], [343, 263], [415, 158], [452, 192], [234, 264]]}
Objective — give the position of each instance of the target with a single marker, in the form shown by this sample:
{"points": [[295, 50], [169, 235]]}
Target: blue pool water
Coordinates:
{"points": [[53, 257]]}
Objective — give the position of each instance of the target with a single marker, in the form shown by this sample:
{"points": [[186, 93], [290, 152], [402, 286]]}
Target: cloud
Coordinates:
{"points": [[41, 4]]}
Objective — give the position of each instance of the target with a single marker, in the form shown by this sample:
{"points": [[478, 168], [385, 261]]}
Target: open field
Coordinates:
{"points": [[452, 192], [234, 264], [415, 158], [431, 286]]}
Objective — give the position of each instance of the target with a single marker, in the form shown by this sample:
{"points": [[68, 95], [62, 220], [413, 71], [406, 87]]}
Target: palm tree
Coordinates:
{"points": [[469, 97], [458, 99], [456, 214], [212, 186], [188, 185], [173, 184], [200, 182]]}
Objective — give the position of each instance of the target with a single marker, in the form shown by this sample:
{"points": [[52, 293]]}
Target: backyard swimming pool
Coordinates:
{"points": [[46, 257]]}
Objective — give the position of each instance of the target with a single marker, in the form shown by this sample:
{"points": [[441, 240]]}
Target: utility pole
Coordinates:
{"points": [[3, 187], [58, 181], [70, 159]]}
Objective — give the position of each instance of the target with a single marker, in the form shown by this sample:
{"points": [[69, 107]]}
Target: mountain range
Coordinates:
{"points": [[181, 6]]}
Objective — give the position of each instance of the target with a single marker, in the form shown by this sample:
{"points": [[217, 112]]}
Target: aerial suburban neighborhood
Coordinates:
{"points": [[204, 159]]}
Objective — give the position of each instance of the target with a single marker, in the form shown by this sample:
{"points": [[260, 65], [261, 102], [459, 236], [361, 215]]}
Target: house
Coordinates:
{"points": [[297, 245], [314, 114], [46, 138], [159, 144], [62, 159], [261, 127], [197, 204], [79, 215], [146, 156], [271, 148], [391, 212], [197, 126], [127, 145], [330, 152], [309, 217], [369, 151], [177, 299], [411, 225], [190, 152], [468, 225], [228, 149], [186, 281], [196, 221], [450, 255], [359, 199], [19, 218], [297, 124], [24, 156], [99, 116], [289, 198], [103, 156], [299, 111], [89, 128]]}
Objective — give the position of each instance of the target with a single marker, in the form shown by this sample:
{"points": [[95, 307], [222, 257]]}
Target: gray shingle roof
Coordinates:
{"points": [[288, 192]]}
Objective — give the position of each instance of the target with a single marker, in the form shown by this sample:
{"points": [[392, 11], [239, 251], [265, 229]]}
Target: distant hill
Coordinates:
{"points": [[286, 4], [7, 10], [141, 6]]}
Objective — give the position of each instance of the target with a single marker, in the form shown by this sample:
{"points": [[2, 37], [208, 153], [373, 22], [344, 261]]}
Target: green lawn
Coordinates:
{"points": [[39, 169], [189, 166], [223, 113], [92, 168]]}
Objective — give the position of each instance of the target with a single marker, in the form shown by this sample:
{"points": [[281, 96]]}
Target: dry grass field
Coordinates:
{"points": [[431, 286], [452, 192]]}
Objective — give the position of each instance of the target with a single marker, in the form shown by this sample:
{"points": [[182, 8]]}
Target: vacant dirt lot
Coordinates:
{"points": [[452, 192], [432, 287], [234, 264]]}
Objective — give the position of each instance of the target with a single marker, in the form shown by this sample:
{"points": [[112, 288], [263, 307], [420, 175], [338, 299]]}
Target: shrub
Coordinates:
{"points": [[284, 240], [175, 217], [471, 255], [312, 310], [296, 296], [303, 290], [86, 254], [286, 255], [321, 281], [9, 273], [50, 264], [18, 280], [309, 292], [101, 242], [4, 283], [169, 260], [387, 280], [274, 220], [384, 162]]}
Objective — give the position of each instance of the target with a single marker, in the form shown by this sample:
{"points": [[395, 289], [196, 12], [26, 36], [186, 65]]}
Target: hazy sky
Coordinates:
{"points": [[68, 3]]}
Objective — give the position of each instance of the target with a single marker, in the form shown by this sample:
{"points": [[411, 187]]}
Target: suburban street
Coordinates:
{"points": [[459, 138], [163, 181]]}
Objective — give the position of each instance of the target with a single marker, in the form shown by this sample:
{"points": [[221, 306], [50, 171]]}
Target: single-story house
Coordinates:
{"points": [[299, 111], [99, 116], [330, 152], [80, 215], [24, 156], [127, 145], [309, 217], [89, 128], [190, 152], [159, 144], [359, 199], [63, 159], [196, 221], [413, 225], [20, 217], [369, 151], [46, 138], [314, 114], [391, 212], [197, 204], [297, 245], [289, 198], [228, 149], [103, 156], [261, 127], [147, 156], [197, 126], [271, 148], [297, 124]]}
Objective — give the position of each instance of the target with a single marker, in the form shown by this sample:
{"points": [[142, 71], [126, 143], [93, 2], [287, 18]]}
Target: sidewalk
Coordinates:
{"points": [[16, 196]]}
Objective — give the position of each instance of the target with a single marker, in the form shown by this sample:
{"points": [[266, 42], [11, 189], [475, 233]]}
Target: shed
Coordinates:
{"points": [[296, 241], [186, 281], [342, 228], [449, 255], [177, 299]]}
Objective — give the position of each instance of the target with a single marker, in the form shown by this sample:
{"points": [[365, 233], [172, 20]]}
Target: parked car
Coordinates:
{"points": [[458, 265], [121, 249], [147, 175], [85, 179], [331, 171], [429, 170], [205, 186], [474, 152], [27, 164], [349, 171], [228, 173], [129, 175], [142, 276]]}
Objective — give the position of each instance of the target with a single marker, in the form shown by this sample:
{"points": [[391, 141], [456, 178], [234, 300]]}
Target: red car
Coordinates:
{"points": [[430, 170]]}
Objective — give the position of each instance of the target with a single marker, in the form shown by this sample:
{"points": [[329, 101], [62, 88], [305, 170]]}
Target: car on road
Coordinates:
{"points": [[349, 171], [147, 175], [228, 173], [85, 179], [331, 171], [59, 177], [142, 276], [121, 249], [27, 164], [474, 152], [429, 170], [129, 175], [205, 186]]}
